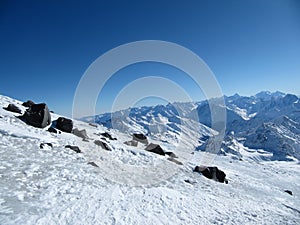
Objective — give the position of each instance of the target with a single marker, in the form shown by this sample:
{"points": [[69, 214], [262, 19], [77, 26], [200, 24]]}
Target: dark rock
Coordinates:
{"points": [[289, 192], [51, 111], [42, 145], [74, 148], [190, 182], [212, 173], [102, 144], [155, 149], [64, 124], [107, 135], [13, 108], [80, 133], [175, 161], [171, 154], [140, 138], [93, 164], [93, 124], [52, 130], [29, 103], [37, 115], [131, 143]]}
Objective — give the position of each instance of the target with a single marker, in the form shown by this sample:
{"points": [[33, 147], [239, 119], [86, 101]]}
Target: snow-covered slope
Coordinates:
{"points": [[131, 186], [267, 121]]}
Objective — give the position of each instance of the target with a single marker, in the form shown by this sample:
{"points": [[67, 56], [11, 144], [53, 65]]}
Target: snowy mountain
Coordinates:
{"points": [[42, 181], [267, 121]]}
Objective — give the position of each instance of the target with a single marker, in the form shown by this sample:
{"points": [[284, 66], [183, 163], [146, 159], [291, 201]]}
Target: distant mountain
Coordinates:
{"points": [[264, 122], [267, 95]]}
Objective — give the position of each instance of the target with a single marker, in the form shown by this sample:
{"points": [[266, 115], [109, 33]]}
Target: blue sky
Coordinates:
{"points": [[46, 46]]}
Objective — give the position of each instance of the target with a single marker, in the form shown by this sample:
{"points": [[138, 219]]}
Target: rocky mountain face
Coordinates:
{"points": [[267, 122]]}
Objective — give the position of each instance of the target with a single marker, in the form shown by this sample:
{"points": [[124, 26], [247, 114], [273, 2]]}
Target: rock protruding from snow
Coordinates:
{"points": [[46, 146], [107, 135], [131, 143], [13, 108], [52, 130], [64, 124], [28, 103], [37, 115], [212, 172], [93, 164], [80, 133], [155, 148], [289, 192], [171, 154], [175, 161], [102, 145], [140, 138], [74, 148]]}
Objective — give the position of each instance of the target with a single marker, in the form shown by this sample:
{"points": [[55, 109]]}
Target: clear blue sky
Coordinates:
{"points": [[46, 46]]}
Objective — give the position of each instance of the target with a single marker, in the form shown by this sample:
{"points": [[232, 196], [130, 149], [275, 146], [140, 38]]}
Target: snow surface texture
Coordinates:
{"points": [[57, 185]]}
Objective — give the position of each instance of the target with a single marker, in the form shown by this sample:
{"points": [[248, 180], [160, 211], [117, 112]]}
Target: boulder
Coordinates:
{"points": [[13, 108], [37, 115], [29, 103], [74, 148], [46, 145], [212, 172], [102, 144], [140, 138], [155, 149], [289, 192], [107, 135], [80, 133], [131, 143], [52, 130], [64, 124]]}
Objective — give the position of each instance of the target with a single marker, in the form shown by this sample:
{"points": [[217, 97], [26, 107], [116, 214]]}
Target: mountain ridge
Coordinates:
{"points": [[258, 120]]}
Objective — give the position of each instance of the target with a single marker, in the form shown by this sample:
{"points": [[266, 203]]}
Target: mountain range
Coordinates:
{"points": [[266, 123], [97, 175]]}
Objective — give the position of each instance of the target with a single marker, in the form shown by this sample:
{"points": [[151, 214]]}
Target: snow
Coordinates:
{"points": [[132, 186]]}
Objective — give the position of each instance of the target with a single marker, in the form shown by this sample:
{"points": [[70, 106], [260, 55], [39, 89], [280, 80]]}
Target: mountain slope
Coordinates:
{"points": [[58, 186], [266, 121]]}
